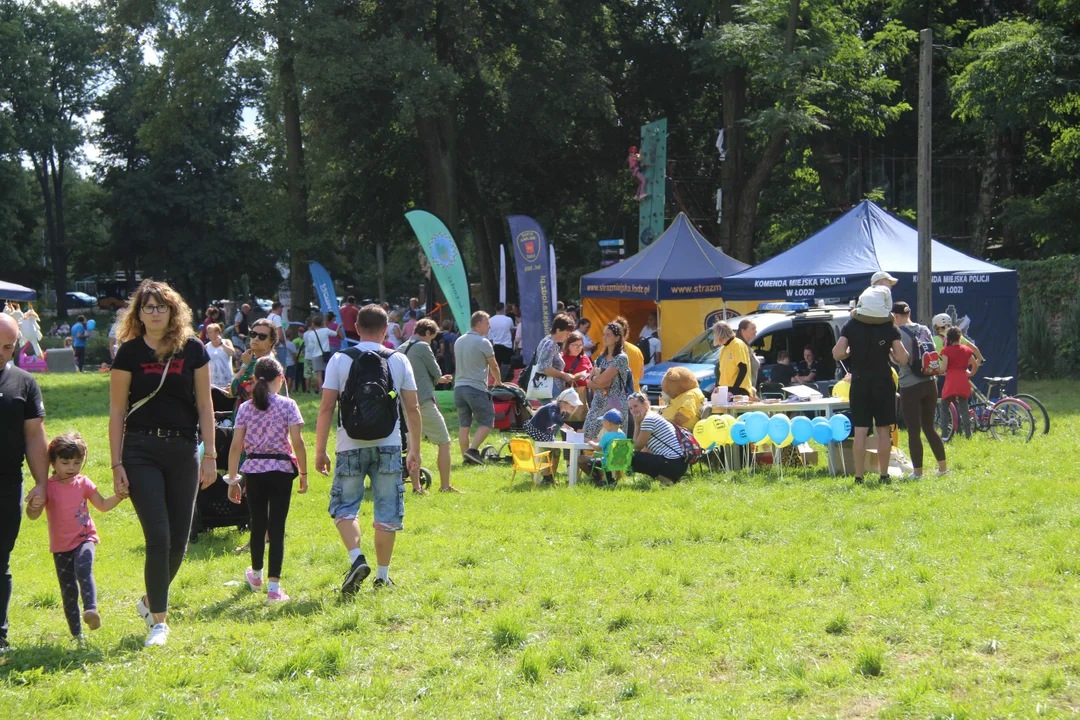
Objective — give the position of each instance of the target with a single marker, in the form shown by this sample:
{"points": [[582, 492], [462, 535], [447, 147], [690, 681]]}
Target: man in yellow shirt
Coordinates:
{"points": [[733, 368]]}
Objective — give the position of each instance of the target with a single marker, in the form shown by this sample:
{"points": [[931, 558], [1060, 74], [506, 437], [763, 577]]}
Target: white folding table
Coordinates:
{"points": [[574, 449]]}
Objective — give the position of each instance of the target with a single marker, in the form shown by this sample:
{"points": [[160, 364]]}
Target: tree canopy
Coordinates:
{"points": [[235, 140]]}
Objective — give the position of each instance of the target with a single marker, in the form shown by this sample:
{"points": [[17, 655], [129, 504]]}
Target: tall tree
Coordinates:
{"points": [[49, 72]]}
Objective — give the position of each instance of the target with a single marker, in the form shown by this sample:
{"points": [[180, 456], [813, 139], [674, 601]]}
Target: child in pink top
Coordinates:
{"points": [[268, 432], [72, 535]]}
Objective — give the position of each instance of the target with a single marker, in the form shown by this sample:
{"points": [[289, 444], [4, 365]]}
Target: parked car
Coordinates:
{"points": [[81, 299], [780, 326]]}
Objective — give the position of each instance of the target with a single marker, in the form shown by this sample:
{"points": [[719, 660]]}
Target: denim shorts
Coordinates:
{"points": [[473, 404], [383, 466]]}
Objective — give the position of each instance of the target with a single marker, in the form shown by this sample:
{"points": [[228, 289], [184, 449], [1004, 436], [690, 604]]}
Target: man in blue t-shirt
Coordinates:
{"points": [[79, 333]]}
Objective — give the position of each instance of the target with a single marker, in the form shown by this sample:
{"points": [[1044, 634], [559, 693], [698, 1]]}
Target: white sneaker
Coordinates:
{"points": [[943, 472], [255, 583], [140, 607], [159, 635]]}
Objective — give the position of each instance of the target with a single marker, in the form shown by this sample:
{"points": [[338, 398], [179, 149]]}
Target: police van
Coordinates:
{"points": [[780, 326]]}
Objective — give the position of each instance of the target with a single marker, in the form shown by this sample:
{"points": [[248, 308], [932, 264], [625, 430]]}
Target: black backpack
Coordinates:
{"points": [[646, 349], [368, 406]]}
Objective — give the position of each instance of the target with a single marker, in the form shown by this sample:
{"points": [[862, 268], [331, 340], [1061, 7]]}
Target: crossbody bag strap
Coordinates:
{"points": [[319, 341], [150, 397]]}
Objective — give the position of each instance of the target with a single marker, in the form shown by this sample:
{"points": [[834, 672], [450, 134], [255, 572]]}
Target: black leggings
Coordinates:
{"points": [[163, 475], [269, 495], [75, 571], [918, 404], [10, 519], [656, 466]]}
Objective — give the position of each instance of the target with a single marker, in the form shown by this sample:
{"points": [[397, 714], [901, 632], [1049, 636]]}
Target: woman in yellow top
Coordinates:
{"points": [[733, 369], [684, 397]]}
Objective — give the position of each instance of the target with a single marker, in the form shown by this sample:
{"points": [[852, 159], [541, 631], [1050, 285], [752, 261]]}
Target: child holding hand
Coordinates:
{"points": [[72, 535]]}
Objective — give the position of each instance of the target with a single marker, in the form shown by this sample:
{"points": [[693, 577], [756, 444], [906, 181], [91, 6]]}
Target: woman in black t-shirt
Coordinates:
{"points": [[159, 406]]}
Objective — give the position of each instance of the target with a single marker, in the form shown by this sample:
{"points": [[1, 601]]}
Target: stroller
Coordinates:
{"points": [[512, 411], [213, 509], [425, 474]]}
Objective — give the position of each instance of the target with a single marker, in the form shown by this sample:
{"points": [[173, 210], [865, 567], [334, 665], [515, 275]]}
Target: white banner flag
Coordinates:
{"points": [[554, 285], [502, 275]]}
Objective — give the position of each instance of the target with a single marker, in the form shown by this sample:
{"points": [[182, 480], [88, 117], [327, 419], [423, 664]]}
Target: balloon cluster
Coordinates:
{"points": [[780, 430]]}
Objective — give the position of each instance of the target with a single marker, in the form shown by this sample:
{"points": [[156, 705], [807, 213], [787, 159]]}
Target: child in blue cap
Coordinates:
{"points": [[611, 424]]}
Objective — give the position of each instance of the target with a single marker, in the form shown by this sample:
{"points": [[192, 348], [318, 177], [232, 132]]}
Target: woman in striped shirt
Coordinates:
{"points": [[657, 450]]}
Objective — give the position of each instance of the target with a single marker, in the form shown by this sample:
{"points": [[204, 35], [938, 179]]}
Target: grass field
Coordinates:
{"points": [[742, 597]]}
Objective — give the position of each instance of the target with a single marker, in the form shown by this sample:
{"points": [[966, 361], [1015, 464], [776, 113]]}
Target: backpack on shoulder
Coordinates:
{"points": [[645, 347], [691, 448], [368, 406], [925, 361]]}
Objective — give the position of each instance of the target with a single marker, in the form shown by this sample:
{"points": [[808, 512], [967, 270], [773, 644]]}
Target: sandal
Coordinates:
{"points": [[451, 489]]}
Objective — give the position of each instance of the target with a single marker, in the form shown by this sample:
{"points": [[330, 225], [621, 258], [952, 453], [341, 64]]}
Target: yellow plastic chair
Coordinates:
{"points": [[528, 460]]}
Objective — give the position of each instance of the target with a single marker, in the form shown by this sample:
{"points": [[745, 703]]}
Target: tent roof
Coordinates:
{"points": [[680, 264], [11, 291], [857, 244]]}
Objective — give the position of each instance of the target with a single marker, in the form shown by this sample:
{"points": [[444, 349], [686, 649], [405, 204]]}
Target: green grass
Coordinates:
{"points": [[743, 597]]}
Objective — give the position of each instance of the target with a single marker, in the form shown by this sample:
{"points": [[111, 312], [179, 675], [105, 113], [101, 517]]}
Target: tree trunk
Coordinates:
{"points": [[295, 180], [487, 253], [438, 139], [741, 191], [984, 211], [57, 253]]}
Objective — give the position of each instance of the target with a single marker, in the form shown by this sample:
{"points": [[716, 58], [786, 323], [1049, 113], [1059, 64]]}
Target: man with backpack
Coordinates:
{"points": [[918, 390], [368, 384], [870, 347]]}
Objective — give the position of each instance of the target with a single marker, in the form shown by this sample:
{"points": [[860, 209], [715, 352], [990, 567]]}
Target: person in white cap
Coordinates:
{"points": [[875, 303], [549, 418]]}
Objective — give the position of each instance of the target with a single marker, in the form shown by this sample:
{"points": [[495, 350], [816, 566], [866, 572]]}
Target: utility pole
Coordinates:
{"points": [[380, 270], [924, 295]]}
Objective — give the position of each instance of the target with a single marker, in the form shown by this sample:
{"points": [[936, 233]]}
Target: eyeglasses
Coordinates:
{"points": [[260, 336], [636, 396], [151, 309]]}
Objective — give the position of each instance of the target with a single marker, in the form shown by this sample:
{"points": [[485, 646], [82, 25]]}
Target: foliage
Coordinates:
{"points": [[564, 602], [1038, 347]]}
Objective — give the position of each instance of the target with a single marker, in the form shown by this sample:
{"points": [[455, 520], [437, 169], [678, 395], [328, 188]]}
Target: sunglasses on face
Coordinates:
{"points": [[260, 336]]}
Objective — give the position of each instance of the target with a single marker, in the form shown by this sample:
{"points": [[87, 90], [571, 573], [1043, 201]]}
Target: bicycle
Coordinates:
{"points": [[1037, 408], [1005, 418]]}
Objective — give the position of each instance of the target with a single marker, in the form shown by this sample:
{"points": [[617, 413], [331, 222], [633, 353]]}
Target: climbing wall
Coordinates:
{"points": [[654, 158]]}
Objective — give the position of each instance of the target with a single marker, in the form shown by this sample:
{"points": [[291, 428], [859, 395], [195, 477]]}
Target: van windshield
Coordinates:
{"points": [[700, 351]]}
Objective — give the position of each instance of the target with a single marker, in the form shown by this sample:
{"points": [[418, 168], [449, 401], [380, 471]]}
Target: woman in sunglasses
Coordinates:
{"points": [[262, 335], [159, 407]]}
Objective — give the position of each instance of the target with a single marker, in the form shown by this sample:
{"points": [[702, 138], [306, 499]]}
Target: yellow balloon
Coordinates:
{"points": [[787, 441], [765, 442], [705, 433], [842, 390], [722, 429]]}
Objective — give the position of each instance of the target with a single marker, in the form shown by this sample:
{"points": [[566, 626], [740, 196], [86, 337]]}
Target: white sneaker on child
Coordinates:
{"points": [[159, 635], [255, 583]]}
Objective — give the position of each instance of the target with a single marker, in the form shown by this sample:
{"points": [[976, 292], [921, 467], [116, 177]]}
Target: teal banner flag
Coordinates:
{"points": [[442, 253]]}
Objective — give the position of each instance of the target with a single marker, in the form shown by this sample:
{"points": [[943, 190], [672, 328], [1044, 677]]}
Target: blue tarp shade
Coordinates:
{"points": [[838, 260], [679, 265], [11, 291]]}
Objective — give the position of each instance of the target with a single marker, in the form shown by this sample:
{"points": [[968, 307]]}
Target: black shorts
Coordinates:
{"points": [[873, 401]]}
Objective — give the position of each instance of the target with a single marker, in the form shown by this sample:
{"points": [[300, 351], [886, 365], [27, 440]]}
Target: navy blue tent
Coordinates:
{"points": [[678, 276], [838, 260], [680, 265], [11, 291]]}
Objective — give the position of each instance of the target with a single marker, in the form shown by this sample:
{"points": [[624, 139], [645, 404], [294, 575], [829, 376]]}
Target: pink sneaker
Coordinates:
{"points": [[255, 583], [276, 597]]}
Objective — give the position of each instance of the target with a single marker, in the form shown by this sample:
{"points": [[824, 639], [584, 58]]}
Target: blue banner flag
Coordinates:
{"points": [[445, 260], [324, 288], [534, 281]]}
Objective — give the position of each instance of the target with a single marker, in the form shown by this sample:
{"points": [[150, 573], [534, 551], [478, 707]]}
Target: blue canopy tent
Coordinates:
{"points": [[838, 260], [678, 277], [11, 291]]}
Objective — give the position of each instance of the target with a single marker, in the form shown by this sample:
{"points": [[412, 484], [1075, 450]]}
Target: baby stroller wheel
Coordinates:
{"points": [[489, 453], [425, 478]]}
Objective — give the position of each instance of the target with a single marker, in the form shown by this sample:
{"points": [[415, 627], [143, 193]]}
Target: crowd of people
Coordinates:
{"points": [[378, 371]]}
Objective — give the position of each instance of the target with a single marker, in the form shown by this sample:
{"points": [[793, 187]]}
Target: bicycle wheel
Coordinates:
{"points": [[946, 422], [1011, 420], [1036, 408]]}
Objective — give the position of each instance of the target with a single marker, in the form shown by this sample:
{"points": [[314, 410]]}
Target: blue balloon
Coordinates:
{"points": [[738, 433], [822, 433], [841, 427], [802, 429], [820, 420], [91, 324], [757, 426], [779, 428]]}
